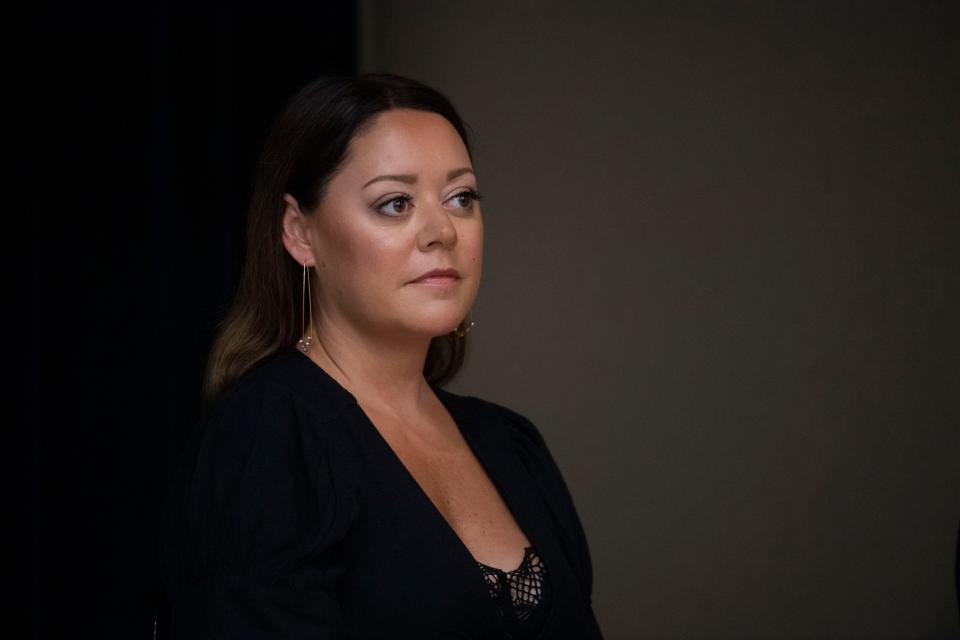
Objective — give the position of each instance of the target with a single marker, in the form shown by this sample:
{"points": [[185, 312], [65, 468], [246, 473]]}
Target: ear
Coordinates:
{"points": [[295, 236]]}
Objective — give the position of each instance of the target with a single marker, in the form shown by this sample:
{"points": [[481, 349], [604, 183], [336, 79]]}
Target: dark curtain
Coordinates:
{"points": [[138, 131]]}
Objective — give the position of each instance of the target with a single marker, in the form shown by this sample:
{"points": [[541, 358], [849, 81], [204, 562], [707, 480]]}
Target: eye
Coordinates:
{"points": [[466, 198], [393, 204]]}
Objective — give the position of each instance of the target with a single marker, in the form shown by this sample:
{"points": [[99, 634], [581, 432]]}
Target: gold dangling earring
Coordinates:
{"points": [[463, 332], [306, 299]]}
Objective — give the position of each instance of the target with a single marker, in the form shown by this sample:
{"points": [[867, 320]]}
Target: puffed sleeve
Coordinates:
{"points": [[540, 464], [253, 523]]}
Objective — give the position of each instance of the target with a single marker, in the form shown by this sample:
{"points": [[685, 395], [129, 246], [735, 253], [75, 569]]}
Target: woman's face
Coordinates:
{"points": [[400, 206]]}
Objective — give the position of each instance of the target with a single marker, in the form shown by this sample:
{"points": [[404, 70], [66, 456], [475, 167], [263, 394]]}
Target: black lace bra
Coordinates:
{"points": [[522, 595]]}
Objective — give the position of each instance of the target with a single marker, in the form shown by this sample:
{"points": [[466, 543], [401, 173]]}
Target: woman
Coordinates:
{"points": [[334, 489]]}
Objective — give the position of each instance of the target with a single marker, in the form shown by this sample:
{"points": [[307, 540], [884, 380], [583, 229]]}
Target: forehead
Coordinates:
{"points": [[408, 140]]}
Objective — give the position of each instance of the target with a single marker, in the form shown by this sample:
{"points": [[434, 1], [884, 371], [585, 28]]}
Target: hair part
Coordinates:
{"points": [[307, 145]]}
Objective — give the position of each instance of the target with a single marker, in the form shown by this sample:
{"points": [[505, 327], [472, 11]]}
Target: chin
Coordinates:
{"points": [[432, 319], [437, 329]]}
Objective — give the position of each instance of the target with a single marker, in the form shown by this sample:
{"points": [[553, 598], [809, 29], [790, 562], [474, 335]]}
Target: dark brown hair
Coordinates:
{"points": [[305, 147]]}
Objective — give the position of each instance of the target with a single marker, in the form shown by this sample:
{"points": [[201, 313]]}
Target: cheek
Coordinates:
{"points": [[368, 262], [473, 247], [341, 255]]}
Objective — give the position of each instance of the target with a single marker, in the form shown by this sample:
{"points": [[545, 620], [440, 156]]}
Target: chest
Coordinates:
{"points": [[461, 491], [424, 517]]}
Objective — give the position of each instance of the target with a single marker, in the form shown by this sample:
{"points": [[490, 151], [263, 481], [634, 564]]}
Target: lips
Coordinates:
{"points": [[438, 273]]}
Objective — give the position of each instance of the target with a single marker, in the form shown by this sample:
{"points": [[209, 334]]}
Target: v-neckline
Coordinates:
{"points": [[488, 464], [496, 469], [465, 426]]}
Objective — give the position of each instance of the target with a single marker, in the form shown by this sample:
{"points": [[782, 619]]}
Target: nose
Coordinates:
{"points": [[437, 227]]}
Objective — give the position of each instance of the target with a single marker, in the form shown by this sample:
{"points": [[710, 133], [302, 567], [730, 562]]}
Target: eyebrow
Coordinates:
{"points": [[412, 179]]}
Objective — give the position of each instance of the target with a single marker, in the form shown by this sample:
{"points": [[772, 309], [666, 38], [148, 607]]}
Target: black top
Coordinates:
{"points": [[290, 516]]}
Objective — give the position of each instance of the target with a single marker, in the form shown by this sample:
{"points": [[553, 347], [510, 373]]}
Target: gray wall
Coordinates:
{"points": [[721, 275]]}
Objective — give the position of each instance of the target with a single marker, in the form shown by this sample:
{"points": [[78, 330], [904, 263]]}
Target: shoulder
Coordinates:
{"points": [[286, 384], [274, 417], [474, 406], [487, 414], [262, 453]]}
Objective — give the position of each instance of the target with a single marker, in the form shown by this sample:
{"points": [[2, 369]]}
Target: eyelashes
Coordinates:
{"points": [[472, 196]]}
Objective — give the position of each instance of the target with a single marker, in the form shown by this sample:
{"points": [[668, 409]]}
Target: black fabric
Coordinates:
{"points": [[291, 517]]}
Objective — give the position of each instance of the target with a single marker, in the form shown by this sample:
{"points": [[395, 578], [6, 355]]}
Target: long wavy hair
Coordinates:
{"points": [[305, 147]]}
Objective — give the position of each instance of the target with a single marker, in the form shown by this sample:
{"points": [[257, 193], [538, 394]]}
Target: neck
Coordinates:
{"points": [[384, 374]]}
